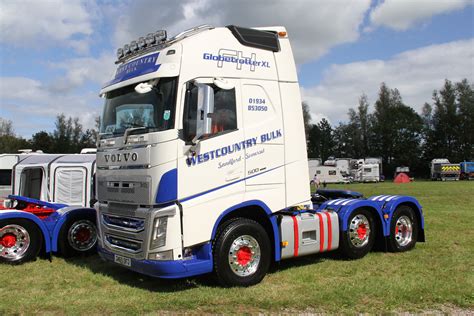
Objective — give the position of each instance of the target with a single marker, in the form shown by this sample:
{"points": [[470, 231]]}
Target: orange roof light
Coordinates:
{"points": [[282, 34]]}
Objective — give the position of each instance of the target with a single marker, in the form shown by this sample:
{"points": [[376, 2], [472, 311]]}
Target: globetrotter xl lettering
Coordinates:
{"points": [[229, 149], [237, 58]]}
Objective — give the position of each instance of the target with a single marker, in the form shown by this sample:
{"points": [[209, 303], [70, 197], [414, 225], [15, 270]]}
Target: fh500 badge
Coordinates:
{"points": [[121, 157]]}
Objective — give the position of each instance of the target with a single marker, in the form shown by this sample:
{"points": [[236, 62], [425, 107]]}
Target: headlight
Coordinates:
{"points": [[158, 238]]}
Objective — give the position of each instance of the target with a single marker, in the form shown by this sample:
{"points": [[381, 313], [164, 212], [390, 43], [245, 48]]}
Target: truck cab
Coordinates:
{"points": [[206, 122]]}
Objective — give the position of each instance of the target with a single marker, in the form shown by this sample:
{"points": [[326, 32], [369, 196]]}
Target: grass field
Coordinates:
{"points": [[436, 276]]}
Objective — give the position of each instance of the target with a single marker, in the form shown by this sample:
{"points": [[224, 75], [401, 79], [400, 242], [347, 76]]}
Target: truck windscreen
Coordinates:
{"points": [[125, 108]]}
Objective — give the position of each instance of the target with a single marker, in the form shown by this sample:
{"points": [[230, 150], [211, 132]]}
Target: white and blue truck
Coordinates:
{"points": [[202, 163], [49, 210]]}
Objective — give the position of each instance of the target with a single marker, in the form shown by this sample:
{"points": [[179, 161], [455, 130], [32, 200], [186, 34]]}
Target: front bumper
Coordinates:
{"points": [[201, 263]]}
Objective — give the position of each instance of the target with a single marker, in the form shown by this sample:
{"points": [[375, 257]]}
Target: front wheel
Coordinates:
{"points": [[20, 241], [403, 229], [359, 237], [78, 236], [241, 253]]}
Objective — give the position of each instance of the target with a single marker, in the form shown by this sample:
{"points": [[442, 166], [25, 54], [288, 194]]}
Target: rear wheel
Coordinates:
{"points": [[78, 236], [403, 229], [20, 241], [359, 237], [241, 253]]}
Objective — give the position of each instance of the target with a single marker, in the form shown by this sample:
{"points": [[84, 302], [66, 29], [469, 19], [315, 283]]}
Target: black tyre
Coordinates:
{"points": [[242, 253], [20, 241], [359, 237], [78, 236], [403, 229]]}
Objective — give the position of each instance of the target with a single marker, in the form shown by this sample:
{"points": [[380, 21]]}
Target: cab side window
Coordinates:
{"points": [[224, 116], [190, 113]]}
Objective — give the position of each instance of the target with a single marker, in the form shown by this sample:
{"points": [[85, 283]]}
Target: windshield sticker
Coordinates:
{"points": [[166, 115], [110, 129]]}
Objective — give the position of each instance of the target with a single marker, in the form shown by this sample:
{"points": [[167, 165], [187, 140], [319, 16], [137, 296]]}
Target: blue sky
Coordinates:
{"points": [[56, 54]]}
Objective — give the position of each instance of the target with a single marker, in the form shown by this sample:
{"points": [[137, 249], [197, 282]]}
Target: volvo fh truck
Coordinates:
{"points": [[202, 163]]}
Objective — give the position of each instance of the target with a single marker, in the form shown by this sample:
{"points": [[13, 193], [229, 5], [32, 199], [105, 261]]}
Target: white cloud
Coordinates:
{"points": [[415, 73], [313, 26], [79, 71], [33, 23], [403, 14], [30, 101]]}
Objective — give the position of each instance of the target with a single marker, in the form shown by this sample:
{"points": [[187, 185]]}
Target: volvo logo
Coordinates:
{"points": [[122, 157]]}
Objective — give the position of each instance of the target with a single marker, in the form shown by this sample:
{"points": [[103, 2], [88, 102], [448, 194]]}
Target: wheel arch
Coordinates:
{"points": [[46, 244], [64, 215], [257, 211]]}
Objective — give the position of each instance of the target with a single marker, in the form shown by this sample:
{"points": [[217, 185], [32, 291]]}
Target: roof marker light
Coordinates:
{"points": [[126, 49], [141, 43], [160, 36], [282, 34], [119, 53], [150, 39], [133, 46]]}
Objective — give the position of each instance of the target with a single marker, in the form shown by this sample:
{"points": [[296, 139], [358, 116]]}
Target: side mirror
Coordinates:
{"points": [[205, 108]]}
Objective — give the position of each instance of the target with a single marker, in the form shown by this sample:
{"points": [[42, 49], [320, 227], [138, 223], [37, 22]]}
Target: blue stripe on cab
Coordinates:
{"points": [[168, 187]]}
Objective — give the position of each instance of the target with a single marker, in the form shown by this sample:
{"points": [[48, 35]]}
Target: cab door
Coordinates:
{"points": [[265, 172], [211, 162]]}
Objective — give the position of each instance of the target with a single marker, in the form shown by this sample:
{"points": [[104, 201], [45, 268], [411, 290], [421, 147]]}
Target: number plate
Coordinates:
{"points": [[123, 260]]}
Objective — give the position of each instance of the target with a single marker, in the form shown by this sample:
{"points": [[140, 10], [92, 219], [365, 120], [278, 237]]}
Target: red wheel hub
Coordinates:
{"points": [[8, 240], [83, 235], [362, 231], [244, 255], [402, 228]]}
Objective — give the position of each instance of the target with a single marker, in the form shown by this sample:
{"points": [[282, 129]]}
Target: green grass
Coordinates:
{"points": [[436, 276]]}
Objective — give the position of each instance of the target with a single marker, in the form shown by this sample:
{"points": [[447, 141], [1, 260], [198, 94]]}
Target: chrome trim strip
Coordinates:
{"points": [[117, 227], [124, 167], [119, 247]]}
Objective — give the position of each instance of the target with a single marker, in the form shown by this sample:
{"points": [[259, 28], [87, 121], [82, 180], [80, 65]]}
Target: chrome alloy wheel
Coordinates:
{"points": [[244, 255], [359, 231], [403, 231], [14, 242], [82, 235]]}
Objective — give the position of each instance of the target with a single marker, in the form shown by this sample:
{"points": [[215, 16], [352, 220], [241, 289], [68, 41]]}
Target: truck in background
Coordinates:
{"points": [[442, 169], [49, 208], [467, 170], [202, 163], [7, 162]]}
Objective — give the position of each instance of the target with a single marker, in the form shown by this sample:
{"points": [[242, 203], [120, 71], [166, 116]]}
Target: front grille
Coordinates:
{"points": [[123, 244], [125, 223]]}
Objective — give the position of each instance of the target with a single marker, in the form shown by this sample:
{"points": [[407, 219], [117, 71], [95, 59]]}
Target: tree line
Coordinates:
{"points": [[397, 133], [69, 136]]}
